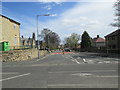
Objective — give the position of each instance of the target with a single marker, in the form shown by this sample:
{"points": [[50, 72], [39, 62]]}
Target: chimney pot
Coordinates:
{"points": [[97, 36]]}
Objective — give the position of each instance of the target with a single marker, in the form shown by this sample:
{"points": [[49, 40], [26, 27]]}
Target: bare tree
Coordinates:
{"points": [[51, 38], [117, 14]]}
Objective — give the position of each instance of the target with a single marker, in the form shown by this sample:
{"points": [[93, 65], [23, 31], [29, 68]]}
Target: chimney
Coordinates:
{"points": [[33, 36], [97, 36], [22, 36]]}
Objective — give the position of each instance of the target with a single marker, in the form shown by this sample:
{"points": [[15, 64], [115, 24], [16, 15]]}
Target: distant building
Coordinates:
{"points": [[113, 41], [78, 45], [9, 31], [98, 42], [30, 42]]}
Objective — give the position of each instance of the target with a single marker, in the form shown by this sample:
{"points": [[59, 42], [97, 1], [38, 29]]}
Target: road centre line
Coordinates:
{"points": [[84, 71], [15, 77], [90, 75], [106, 76], [63, 85]]}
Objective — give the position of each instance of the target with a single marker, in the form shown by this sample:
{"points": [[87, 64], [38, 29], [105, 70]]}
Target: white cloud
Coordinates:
{"points": [[50, 1], [93, 17], [58, 1], [47, 7]]}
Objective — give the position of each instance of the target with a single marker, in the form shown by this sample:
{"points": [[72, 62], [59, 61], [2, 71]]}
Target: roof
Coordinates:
{"points": [[98, 39], [114, 33], [10, 19]]}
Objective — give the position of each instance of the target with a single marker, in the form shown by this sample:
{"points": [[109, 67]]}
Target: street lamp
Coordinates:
{"points": [[37, 30]]}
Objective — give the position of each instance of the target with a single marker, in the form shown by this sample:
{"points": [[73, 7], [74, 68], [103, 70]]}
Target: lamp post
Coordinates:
{"points": [[38, 32], [107, 45]]}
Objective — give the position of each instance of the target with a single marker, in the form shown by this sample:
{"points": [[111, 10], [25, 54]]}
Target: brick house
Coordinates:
{"points": [[113, 41], [9, 31]]}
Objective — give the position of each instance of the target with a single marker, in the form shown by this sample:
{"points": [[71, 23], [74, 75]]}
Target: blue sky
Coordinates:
{"points": [[31, 9], [94, 17]]}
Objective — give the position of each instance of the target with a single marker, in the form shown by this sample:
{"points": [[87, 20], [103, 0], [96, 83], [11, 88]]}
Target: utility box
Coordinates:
{"points": [[4, 46]]}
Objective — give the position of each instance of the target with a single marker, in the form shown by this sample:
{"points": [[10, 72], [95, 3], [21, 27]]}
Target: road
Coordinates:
{"points": [[71, 70]]}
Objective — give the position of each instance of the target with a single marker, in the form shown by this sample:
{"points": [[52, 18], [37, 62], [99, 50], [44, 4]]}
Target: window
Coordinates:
{"points": [[114, 46], [113, 37], [14, 26], [15, 40]]}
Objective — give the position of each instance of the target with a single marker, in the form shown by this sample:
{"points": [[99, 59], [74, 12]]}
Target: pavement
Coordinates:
{"points": [[56, 70]]}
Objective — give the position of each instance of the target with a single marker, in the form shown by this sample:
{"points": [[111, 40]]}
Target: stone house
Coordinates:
{"points": [[28, 42], [113, 41], [98, 42], [9, 31]]}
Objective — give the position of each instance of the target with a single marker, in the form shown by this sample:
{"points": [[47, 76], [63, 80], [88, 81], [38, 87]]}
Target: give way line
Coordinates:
{"points": [[15, 77]]}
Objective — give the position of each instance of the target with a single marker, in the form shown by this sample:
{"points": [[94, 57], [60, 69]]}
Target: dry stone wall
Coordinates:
{"points": [[20, 55]]}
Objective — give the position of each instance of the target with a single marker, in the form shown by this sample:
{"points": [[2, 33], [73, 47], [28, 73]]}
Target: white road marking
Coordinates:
{"points": [[77, 61], [84, 60], [98, 76], [82, 74], [84, 71], [92, 75], [15, 77], [100, 62], [91, 60], [107, 76], [106, 61], [74, 60], [74, 85]]}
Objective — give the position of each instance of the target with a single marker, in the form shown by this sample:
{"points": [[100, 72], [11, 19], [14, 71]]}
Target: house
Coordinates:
{"points": [[113, 41], [28, 42], [98, 42], [9, 31]]}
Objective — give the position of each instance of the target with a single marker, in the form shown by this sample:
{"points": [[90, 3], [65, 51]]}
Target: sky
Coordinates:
{"points": [[71, 17]]}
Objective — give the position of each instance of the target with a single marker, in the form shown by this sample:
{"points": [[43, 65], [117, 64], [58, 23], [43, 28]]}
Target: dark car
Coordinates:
{"points": [[67, 50]]}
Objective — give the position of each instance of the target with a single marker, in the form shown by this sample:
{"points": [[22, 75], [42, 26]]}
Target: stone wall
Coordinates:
{"points": [[20, 55]]}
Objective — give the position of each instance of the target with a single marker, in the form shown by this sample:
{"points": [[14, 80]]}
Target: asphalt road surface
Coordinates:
{"points": [[71, 70]]}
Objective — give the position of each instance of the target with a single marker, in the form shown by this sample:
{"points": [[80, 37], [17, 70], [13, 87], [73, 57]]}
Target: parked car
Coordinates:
{"points": [[67, 50]]}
